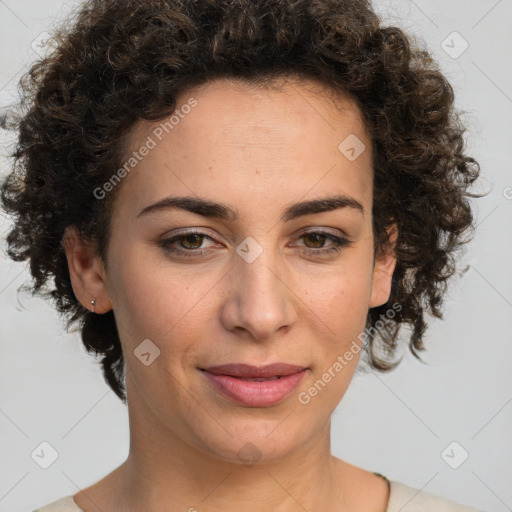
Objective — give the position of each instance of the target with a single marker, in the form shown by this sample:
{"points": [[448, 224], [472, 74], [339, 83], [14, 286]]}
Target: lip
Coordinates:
{"points": [[228, 379]]}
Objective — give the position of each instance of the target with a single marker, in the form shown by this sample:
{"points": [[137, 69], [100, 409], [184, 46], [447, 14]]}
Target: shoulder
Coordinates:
{"points": [[66, 504], [408, 499]]}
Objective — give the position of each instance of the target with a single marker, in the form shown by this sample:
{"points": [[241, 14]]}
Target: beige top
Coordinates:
{"points": [[402, 498]]}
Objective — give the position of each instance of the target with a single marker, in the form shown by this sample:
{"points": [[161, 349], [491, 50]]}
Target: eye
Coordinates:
{"points": [[318, 238], [190, 242]]}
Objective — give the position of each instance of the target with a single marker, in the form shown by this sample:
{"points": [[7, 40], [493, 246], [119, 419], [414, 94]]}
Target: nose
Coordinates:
{"points": [[259, 299]]}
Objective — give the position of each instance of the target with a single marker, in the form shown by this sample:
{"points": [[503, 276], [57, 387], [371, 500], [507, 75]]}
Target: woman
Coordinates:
{"points": [[236, 200]]}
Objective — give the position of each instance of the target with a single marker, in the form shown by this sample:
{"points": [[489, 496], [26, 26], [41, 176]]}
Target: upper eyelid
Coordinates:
{"points": [[313, 229]]}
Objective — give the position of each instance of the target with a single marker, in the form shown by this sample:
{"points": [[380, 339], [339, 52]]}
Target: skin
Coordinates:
{"points": [[258, 150]]}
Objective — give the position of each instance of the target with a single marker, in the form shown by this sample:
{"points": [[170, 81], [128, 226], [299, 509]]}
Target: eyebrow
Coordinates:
{"points": [[221, 211]]}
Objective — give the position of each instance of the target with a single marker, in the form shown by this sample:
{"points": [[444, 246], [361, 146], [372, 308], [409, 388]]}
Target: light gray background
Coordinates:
{"points": [[398, 424]]}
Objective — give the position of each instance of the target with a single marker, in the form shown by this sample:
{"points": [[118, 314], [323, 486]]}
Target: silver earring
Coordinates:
{"points": [[93, 301]]}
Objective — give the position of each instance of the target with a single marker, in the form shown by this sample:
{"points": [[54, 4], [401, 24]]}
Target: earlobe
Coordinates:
{"points": [[86, 272], [383, 271]]}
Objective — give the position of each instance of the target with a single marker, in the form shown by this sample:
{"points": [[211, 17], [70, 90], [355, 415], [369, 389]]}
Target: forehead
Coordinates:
{"points": [[267, 110], [285, 137], [275, 103]]}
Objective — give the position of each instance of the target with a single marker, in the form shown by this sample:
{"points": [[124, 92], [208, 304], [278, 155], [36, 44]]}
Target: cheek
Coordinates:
{"points": [[156, 300], [345, 318], [342, 308], [341, 299]]}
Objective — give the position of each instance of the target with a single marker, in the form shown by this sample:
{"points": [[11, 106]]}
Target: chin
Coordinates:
{"points": [[256, 443]]}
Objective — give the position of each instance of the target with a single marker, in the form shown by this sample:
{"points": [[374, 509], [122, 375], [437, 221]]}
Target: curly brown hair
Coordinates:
{"points": [[116, 62]]}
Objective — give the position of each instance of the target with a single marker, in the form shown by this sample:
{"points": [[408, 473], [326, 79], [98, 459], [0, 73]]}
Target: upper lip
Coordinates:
{"points": [[250, 371]]}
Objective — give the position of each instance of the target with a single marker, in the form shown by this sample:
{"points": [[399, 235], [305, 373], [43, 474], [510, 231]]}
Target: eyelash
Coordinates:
{"points": [[339, 243]]}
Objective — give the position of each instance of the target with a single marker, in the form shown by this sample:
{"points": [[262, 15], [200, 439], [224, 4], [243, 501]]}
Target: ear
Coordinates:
{"points": [[383, 271], [86, 271]]}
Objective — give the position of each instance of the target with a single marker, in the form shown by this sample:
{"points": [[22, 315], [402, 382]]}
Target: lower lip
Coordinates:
{"points": [[255, 393]]}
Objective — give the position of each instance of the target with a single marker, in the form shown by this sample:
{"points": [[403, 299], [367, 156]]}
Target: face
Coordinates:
{"points": [[255, 281]]}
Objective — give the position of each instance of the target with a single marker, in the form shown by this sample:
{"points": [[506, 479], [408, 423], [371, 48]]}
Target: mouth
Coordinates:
{"points": [[255, 386], [249, 371]]}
